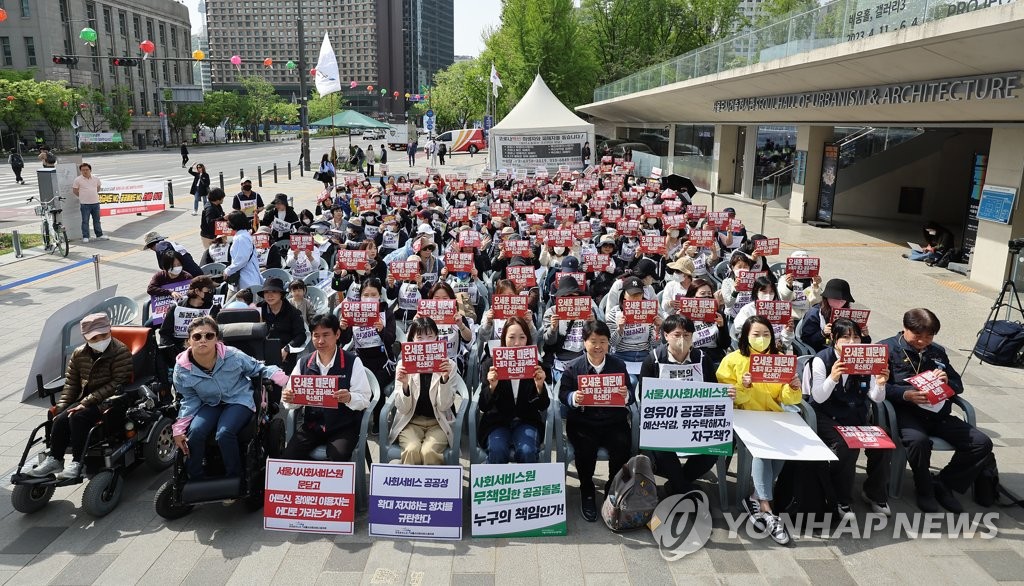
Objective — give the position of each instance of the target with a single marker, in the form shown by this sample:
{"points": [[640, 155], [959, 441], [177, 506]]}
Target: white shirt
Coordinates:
{"points": [[359, 384], [823, 385]]}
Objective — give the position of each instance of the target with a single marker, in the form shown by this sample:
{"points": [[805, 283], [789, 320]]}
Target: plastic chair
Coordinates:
{"points": [[316, 296], [778, 269], [282, 274], [122, 311], [564, 447], [478, 455], [799, 346], [312, 279], [720, 272], [214, 269], [390, 452]]}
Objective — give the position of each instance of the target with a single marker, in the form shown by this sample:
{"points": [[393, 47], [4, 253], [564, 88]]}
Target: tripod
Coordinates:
{"points": [[1009, 297]]}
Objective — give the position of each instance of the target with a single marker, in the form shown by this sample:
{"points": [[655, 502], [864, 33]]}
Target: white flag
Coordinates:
{"points": [[328, 79], [495, 80]]}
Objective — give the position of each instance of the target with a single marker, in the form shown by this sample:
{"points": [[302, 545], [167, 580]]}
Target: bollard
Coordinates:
{"points": [[275, 172], [222, 179], [96, 265], [764, 212], [291, 201], [712, 201], [170, 194], [259, 175], [302, 170], [16, 243], [241, 173], [289, 170]]}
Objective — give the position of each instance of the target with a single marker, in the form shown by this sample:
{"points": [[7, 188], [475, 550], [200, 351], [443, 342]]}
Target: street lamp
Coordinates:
{"points": [[303, 87]]}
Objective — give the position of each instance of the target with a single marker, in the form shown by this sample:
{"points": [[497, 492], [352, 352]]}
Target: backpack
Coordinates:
{"points": [[632, 497], [17, 161], [1000, 342], [803, 487], [51, 158]]}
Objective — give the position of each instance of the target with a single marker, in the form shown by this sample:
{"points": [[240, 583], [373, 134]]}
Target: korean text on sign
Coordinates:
{"points": [[521, 500], [691, 417], [315, 390], [361, 313], [601, 390], [865, 436], [865, 358], [416, 502], [442, 311], [803, 268], [309, 497], [776, 312], [506, 306], [772, 368], [858, 316], [930, 382], [698, 309], [573, 308], [515, 363], [422, 357]]}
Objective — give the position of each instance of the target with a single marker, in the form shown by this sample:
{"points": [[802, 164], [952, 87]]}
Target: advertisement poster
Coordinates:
{"points": [[310, 497], [418, 502], [518, 500], [132, 198], [531, 151], [827, 187], [686, 417]]}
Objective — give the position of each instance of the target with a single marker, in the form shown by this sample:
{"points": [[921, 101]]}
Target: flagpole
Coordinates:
{"points": [[334, 106]]}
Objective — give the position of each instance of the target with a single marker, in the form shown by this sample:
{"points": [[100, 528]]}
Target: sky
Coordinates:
{"points": [[472, 17]]}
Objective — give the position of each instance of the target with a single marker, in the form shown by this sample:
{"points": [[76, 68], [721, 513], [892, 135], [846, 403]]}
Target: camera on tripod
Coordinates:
{"points": [[1016, 245]]}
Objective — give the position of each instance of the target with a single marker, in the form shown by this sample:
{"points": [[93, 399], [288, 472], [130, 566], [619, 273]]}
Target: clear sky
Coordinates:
{"points": [[472, 17]]}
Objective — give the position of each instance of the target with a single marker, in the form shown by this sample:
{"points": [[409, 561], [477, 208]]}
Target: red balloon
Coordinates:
{"points": [[312, 71], [10, 98], [3, 15], [395, 94], [369, 88], [65, 104], [83, 106], [147, 46]]}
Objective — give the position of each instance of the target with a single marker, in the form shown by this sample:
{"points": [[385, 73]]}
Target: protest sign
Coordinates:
{"points": [[470, 239], [595, 263], [183, 316], [315, 390], [523, 276], [641, 311], [456, 215], [683, 372], [309, 497], [745, 279], [131, 198], [776, 312], [559, 237], [685, 416], [459, 262], [702, 238], [501, 210], [583, 231], [515, 363], [423, 357], [158, 306], [360, 313], [803, 267], [865, 358], [301, 242], [518, 500], [631, 212], [930, 382], [858, 316], [629, 227], [510, 248], [695, 212], [865, 436], [698, 309], [506, 306], [652, 244], [416, 502], [772, 368], [221, 228], [611, 216], [406, 270], [601, 390], [767, 246], [353, 260], [717, 220], [542, 207], [573, 307], [442, 311]]}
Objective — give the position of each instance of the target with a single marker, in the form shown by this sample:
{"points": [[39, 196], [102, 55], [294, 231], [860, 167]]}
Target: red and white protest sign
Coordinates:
{"points": [[360, 313], [631, 212], [353, 260], [506, 306], [310, 497], [767, 247], [512, 248], [640, 311], [399, 202], [629, 227], [523, 276], [459, 262], [745, 279], [421, 357], [542, 207], [315, 390], [600, 390], [522, 206], [442, 311], [501, 210], [673, 221], [778, 313], [698, 309], [458, 215], [581, 278], [803, 267], [576, 307], [858, 316], [736, 225], [470, 239], [559, 237], [930, 382], [702, 238], [717, 220], [301, 242], [565, 214], [595, 263], [261, 241], [583, 231], [695, 212], [652, 244], [220, 228], [772, 368], [404, 270], [515, 363], [611, 216], [865, 358], [865, 437]]}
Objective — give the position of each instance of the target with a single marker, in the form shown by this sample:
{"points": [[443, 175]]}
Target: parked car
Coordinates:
{"points": [[637, 147], [467, 140], [374, 134]]}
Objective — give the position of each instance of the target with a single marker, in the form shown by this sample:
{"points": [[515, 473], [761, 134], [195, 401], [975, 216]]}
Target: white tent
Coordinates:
{"points": [[540, 132]]}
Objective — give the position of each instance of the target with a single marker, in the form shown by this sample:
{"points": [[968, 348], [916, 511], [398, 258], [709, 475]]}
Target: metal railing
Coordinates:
{"points": [[776, 178]]}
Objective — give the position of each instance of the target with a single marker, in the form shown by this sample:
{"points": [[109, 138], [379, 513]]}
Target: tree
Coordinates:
{"points": [[18, 112], [260, 99], [90, 109], [57, 108], [118, 110], [459, 94]]}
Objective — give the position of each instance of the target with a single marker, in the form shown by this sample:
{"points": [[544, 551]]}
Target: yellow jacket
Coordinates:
{"points": [[760, 396]]}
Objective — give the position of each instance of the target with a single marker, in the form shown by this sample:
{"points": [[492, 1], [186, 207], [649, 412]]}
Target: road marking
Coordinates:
{"points": [[958, 286]]}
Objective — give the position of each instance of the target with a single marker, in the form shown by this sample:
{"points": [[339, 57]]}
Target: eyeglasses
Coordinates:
{"points": [[203, 336]]}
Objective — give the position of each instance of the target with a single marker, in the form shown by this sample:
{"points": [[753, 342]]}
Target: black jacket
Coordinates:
{"points": [[211, 213], [810, 333], [594, 416], [286, 326], [200, 182], [905, 362], [651, 368], [376, 358], [499, 408], [268, 220]]}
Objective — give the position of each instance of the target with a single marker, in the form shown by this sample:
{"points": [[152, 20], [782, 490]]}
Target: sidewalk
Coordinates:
{"points": [[61, 545]]}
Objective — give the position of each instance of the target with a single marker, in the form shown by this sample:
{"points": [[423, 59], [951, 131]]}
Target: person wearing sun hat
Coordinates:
{"points": [[284, 322], [816, 330]]}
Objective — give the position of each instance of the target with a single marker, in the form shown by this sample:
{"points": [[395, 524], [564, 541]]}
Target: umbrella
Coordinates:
{"points": [[350, 119], [677, 182]]}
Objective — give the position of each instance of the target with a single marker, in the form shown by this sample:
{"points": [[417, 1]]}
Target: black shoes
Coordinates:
{"points": [[589, 506], [947, 499]]}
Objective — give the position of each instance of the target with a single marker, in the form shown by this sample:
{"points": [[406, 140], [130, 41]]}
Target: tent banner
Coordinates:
{"points": [[539, 150]]}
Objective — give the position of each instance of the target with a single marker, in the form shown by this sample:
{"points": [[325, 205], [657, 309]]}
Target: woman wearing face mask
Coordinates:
{"points": [[458, 336], [197, 301], [757, 337], [803, 293], [712, 338], [764, 290], [840, 398], [171, 273], [678, 277], [306, 218], [375, 343], [302, 263], [816, 331], [350, 282], [631, 343], [732, 299]]}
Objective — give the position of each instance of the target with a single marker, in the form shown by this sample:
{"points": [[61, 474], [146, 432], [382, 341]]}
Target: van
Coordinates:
{"points": [[467, 140]]}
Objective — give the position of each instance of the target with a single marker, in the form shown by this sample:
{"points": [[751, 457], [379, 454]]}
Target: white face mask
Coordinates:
{"points": [[652, 221], [559, 250], [100, 346], [673, 233], [175, 271], [677, 277], [763, 296]]}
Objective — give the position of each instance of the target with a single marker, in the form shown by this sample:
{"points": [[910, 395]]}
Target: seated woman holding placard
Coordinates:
{"points": [[423, 404], [491, 328], [373, 343], [513, 408], [841, 398], [758, 337]]}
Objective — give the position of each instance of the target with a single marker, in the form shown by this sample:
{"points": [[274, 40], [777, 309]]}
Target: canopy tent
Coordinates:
{"points": [[540, 131], [350, 119]]}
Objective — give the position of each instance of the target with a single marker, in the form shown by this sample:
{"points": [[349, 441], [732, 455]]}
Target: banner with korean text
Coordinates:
{"points": [[418, 502], [686, 417], [518, 500], [310, 497]]}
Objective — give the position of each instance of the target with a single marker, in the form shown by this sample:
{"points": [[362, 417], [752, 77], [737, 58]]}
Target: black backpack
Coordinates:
{"points": [[17, 161], [50, 158], [1000, 342]]}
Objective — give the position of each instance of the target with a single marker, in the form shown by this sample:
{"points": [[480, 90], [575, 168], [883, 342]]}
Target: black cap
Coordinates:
{"points": [[633, 285], [645, 267], [272, 284], [567, 286], [570, 264], [837, 289]]}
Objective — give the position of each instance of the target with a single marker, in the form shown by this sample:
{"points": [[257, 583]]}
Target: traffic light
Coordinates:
{"points": [[64, 60], [125, 62]]}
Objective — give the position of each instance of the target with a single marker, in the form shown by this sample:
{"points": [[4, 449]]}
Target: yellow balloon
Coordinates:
{"points": [[39, 101], [198, 55]]}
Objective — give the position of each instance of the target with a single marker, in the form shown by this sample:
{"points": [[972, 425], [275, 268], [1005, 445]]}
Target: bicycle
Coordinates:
{"points": [[55, 236]]}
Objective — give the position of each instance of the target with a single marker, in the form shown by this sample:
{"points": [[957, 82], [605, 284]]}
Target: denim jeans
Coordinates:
{"points": [[924, 256], [195, 202], [522, 436], [90, 209], [764, 474], [226, 421]]}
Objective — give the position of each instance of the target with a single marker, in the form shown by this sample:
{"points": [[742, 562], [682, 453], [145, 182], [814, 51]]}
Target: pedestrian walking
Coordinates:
{"points": [[371, 161], [200, 186], [48, 157], [17, 164], [411, 150], [86, 188], [184, 157], [360, 158], [586, 153], [442, 151], [326, 172]]}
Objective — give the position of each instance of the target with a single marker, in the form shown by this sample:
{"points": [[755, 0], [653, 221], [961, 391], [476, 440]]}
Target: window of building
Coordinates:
{"points": [[108, 23], [149, 29], [177, 74], [163, 35], [122, 22], [137, 25], [30, 50], [5, 48], [25, 10], [174, 39]]}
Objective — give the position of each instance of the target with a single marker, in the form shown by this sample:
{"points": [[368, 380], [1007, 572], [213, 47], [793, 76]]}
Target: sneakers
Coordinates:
{"points": [[48, 466], [947, 499], [102, 237], [85, 240], [751, 505], [588, 507], [877, 507], [193, 212], [776, 528], [845, 512], [927, 503], [72, 470]]}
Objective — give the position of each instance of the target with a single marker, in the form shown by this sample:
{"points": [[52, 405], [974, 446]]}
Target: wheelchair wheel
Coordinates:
{"points": [[29, 498], [164, 503], [275, 438], [158, 452], [103, 493]]}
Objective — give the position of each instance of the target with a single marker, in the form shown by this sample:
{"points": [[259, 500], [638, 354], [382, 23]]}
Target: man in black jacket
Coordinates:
{"points": [[912, 353], [592, 428]]}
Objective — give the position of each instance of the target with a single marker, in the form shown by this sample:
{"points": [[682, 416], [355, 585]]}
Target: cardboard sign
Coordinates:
{"points": [[698, 309], [702, 238], [360, 313], [629, 227], [576, 307], [772, 368], [858, 316], [416, 502], [422, 357], [631, 212], [641, 311], [600, 390], [310, 497], [779, 313], [518, 500], [652, 244], [220, 228], [459, 262], [515, 363], [768, 247], [183, 316], [865, 358], [404, 270], [456, 215], [510, 248], [523, 276], [583, 231], [158, 306], [717, 220], [690, 417], [803, 268], [865, 437], [506, 306], [315, 390], [745, 279], [695, 212], [565, 214], [930, 382], [261, 241], [353, 260], [560, 237], [470, 239], [442, 311], [595, 263], [542, 207], [301, 242]]}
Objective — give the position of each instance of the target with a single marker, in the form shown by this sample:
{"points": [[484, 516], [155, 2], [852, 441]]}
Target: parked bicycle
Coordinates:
{"points": [[55, 236]]}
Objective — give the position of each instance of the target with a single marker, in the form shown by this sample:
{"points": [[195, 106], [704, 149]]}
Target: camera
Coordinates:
{"points": [[1016, 245]]}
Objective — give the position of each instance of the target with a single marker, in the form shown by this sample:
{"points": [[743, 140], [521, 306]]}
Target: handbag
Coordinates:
{"points": [[316, 175], [234, 278]]}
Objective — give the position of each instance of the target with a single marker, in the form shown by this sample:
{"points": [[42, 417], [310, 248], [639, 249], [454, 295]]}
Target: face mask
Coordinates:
{"points": [[765, 296], [677, 277], [759, 343], [652, 221], [174, 272], [461, 196], [673, 233], [307, 221], [100, 346], [681, 346], [559, 250]]}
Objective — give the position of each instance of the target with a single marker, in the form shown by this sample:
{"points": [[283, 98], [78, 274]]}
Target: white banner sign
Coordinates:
{"points": [[518, 500], [541, 150], [310, 497]]}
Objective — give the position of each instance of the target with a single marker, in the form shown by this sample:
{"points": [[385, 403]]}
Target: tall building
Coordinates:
{"points": [[36, 31], [201, 42]]}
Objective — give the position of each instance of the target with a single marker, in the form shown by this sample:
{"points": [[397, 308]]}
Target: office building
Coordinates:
{"points": [[201, 42]]}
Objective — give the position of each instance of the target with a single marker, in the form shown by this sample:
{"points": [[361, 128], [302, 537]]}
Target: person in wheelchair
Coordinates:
{"points": [[199, 297], [338, 428], [96, 370], [213, 383]]}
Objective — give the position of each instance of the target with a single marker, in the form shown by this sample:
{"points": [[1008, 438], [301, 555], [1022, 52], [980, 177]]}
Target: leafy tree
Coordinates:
{"points": [[260, 100], [459, 94], [58, 106], [119, 102], [16, 114], [92, 104]]}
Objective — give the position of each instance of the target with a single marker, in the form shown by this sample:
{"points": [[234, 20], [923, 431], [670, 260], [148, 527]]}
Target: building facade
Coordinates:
{"points": [[200, 41]]}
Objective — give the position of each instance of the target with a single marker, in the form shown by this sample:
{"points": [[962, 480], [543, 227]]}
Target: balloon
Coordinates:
{"points": [[10, 98], [396, 94], [236, 60], [290, 65], [268, 62], [149, 113], [383, 91], [352, 84], [83, 106], [89, 36], [369, 88], [3, 15], [198, 55], [147, 46], [131, 112], [313, 72], [161, 114], [65, 104], [407, 95]]}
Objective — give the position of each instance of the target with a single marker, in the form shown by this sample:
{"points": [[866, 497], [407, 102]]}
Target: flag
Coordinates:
{"points": [[328, 79], [495, 80]]}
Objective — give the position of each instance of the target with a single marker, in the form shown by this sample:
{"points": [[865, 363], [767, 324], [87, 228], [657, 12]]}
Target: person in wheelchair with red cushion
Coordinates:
{"points": [[96, 370]]}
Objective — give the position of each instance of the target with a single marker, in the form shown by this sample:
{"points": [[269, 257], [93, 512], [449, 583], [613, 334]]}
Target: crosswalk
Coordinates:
{"points": [[13, 195]]}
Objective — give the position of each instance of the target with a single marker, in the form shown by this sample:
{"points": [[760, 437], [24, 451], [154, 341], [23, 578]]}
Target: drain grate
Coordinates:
{"points": [[958, 286]]}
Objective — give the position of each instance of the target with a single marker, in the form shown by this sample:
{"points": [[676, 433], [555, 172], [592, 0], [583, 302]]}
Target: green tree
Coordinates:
{"points": [[259, 103], [19, 112], [57, 107], [92, 103], [459, 94], [117, 113]]}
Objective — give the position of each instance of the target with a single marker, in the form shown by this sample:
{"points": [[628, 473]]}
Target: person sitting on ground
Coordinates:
{"points": [[280, 217], [95, 372], [338, 427], [938, 241], [817, 329], [913, 352]]}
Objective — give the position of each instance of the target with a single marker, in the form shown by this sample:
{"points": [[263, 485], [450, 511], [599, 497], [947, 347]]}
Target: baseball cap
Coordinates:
{"points": [[95, 323]]}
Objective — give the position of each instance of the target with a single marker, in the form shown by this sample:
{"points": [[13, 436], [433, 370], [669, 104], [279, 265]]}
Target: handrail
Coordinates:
{"points": [[779, 172], [856, 136]]}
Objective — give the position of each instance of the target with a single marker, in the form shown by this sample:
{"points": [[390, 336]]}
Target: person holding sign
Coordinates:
{"points": [[911, 354], [491, 327], [634, 327], [212, 212], [563, 338], [459, 335], [513, 404], [590, 428], [247, 201], [198, 301], [244, 269], [284, 322], [757, 337], [732, 298], [374, 343], [817, 329], [281, 218], [302, 261], [803, 292], [334, 422], [764, 290], [841, 398], [678, 278], [423, 405], [711, 334], [170, 272]]}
